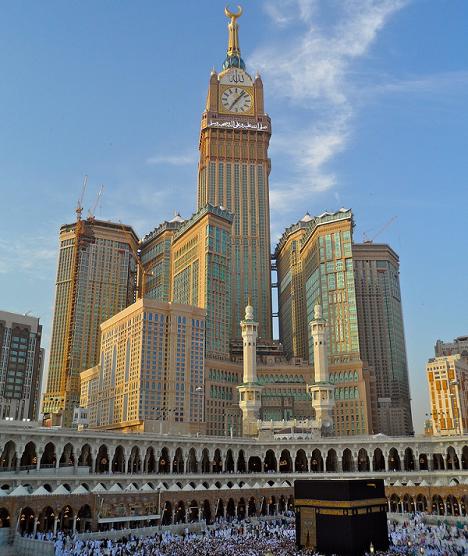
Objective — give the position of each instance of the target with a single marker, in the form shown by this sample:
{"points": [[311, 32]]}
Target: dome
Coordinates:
{"points": [[306, 217], [233, 62]]}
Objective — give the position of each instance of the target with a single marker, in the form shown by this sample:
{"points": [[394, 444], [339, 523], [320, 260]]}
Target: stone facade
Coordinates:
{"points": [[151, 366], [447, 378]]}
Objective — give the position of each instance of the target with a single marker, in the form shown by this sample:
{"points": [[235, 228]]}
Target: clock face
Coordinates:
{"points": [[236, 100]]}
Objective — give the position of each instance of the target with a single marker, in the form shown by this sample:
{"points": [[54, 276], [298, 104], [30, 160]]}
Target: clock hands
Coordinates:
{"points": [[237, 100]]}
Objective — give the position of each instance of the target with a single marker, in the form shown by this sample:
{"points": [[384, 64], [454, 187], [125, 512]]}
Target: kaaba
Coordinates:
{"points": [[341, 516]]}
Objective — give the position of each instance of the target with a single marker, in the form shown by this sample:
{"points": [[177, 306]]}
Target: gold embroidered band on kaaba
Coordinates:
{"points": [[347, 504]]}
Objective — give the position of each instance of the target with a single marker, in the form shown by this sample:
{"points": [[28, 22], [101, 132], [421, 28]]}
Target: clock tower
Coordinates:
{"points": [[233, 172]]}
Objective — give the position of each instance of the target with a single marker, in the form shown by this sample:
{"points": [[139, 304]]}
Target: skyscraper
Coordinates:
{"points": [[96, 278], [381, 334], [201, 272], [315, 266], [314, 262], [233, 173], [21, 364]]}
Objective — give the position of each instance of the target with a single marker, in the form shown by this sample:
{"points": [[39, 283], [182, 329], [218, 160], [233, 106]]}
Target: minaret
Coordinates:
{"points": [[322, 391], [250, 390]]}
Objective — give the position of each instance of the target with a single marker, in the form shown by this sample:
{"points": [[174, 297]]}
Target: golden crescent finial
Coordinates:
{"points": [[232, 15]]}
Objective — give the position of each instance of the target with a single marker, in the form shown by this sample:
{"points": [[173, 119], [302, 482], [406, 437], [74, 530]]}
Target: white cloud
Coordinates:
{"points": [[447, 83], [289, 10], [182, 159], [312, 71], [32, 255]]}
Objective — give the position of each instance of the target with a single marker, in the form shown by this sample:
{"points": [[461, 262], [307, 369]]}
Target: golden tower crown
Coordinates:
{"points": [[233, 58]]}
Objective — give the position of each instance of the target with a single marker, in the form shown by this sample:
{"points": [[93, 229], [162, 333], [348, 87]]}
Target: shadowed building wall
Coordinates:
{"points": [[21, 364], [382, 335]]}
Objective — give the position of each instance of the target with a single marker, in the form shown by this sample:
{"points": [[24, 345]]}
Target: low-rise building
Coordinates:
{"points": [[459, 345], [448, 391]]}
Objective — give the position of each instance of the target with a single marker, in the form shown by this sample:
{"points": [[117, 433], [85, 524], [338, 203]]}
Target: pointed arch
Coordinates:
{"points": [[178, 464], [316, 462], [332, 461], [408, 460], [453, 462], [270, 464], [285, 462], [300, 463], [205, 461], [347, 461], [102, 460], [164, 464], [67, 458], [394, 463], [118, 461], [378, 460], [192, 463], [49, 457], [363, 460]]}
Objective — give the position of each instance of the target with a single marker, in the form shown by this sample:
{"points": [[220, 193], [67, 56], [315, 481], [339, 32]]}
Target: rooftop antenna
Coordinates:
{"points": [[79, 205]]}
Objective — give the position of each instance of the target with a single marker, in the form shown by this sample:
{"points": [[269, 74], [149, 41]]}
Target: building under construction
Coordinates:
{"points": [[96, 278]]}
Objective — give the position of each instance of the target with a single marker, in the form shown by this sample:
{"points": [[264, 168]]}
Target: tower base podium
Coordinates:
{"points": [[341, 516]]}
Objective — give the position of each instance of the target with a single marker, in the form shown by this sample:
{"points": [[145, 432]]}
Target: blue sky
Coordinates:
{"points": [[367, 100]]}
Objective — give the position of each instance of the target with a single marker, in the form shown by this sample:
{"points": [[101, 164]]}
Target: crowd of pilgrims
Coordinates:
{"points": [[414, 537]]}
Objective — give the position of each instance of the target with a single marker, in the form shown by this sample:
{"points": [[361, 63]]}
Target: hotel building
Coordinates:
{"points": [[314, 261], [233, 172], [201, 273], [151, 371], [447, 378]]}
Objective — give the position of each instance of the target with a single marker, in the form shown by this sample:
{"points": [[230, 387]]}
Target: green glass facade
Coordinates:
{"points": [[156, 258], [329, 280], [201, 268]]}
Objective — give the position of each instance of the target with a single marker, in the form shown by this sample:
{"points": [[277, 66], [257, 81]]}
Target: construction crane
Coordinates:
{"points": [[92, 211], [367, 239], [142, 272], [79, 204]]}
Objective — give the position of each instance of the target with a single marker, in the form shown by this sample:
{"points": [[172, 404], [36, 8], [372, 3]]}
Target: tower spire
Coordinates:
{"points": [[233, 58]]}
